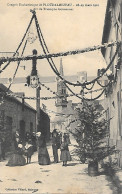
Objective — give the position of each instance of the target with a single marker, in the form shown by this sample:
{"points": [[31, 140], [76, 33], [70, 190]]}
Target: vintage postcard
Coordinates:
{"points": [[60, 96]]}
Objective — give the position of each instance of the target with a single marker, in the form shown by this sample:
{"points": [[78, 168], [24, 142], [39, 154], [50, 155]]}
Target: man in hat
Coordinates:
{"points": [[54, 145]]}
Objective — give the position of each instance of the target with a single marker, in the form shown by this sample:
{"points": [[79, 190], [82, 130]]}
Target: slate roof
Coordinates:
{"points": [[3, 88]]}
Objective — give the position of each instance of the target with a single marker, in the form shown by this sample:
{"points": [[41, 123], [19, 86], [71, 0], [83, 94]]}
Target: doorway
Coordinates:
{"points": [[22, 130]]}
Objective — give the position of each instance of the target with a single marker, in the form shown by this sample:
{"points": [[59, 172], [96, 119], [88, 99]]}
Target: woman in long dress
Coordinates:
{"points": [[65, 154], [17, 158], [43, 156]]}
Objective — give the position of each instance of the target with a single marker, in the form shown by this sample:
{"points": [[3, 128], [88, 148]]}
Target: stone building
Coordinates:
{"points": [[113, 97], [17, 115]]}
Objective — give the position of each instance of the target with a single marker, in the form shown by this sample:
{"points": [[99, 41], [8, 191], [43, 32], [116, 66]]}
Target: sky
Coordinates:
{"points": [[63, 30]]}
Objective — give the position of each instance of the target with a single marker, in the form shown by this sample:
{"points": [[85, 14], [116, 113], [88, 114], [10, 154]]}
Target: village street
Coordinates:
{"points": [[53, 178], [61, 85]]}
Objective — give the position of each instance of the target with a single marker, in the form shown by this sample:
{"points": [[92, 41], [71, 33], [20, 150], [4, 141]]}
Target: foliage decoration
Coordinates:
{"points": [[92, 134]]}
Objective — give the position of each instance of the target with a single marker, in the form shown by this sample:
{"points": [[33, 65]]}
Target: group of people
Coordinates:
{"points": [[23, 150], [59, 142]]}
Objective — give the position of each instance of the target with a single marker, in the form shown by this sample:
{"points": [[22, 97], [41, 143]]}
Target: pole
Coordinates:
{"points": [[37, 109], [34, 74]]}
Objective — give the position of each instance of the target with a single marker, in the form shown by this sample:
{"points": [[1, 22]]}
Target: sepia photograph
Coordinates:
{"points": [[61, 96]]}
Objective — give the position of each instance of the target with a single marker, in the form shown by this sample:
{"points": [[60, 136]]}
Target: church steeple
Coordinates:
{"points": [[61, 89], [61, 68]]}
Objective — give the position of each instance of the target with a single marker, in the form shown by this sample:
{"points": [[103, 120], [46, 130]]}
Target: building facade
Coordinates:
{"points": [[113, 96], [65, 109], [17, 115]]}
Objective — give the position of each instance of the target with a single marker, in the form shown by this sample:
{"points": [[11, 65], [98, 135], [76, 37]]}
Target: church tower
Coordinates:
{"points": [[61, 90]]}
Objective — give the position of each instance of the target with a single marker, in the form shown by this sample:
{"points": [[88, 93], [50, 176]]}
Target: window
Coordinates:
{"points": [[31, 127], [9, 124], [22, 130], [63, 91]]}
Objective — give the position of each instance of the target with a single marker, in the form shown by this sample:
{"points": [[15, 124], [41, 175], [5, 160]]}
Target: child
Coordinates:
{"points": [[65, 155], [29, 151]]}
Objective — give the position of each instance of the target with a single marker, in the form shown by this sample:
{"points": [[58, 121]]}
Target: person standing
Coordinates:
{"points": [[54, 145], [3, 147], [43, 156], [65, 154], [16, 139]]}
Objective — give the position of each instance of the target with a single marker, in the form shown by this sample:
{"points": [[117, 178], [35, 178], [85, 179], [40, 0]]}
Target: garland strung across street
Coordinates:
{"points": [[49, 57], [30, 57], [53, 67], [49, 89], [94, 80], [88, 99], [82, 98], [43, 98], [45, 49]]}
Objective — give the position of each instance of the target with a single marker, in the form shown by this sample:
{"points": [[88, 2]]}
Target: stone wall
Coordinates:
{"points": [[12, 113]]}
